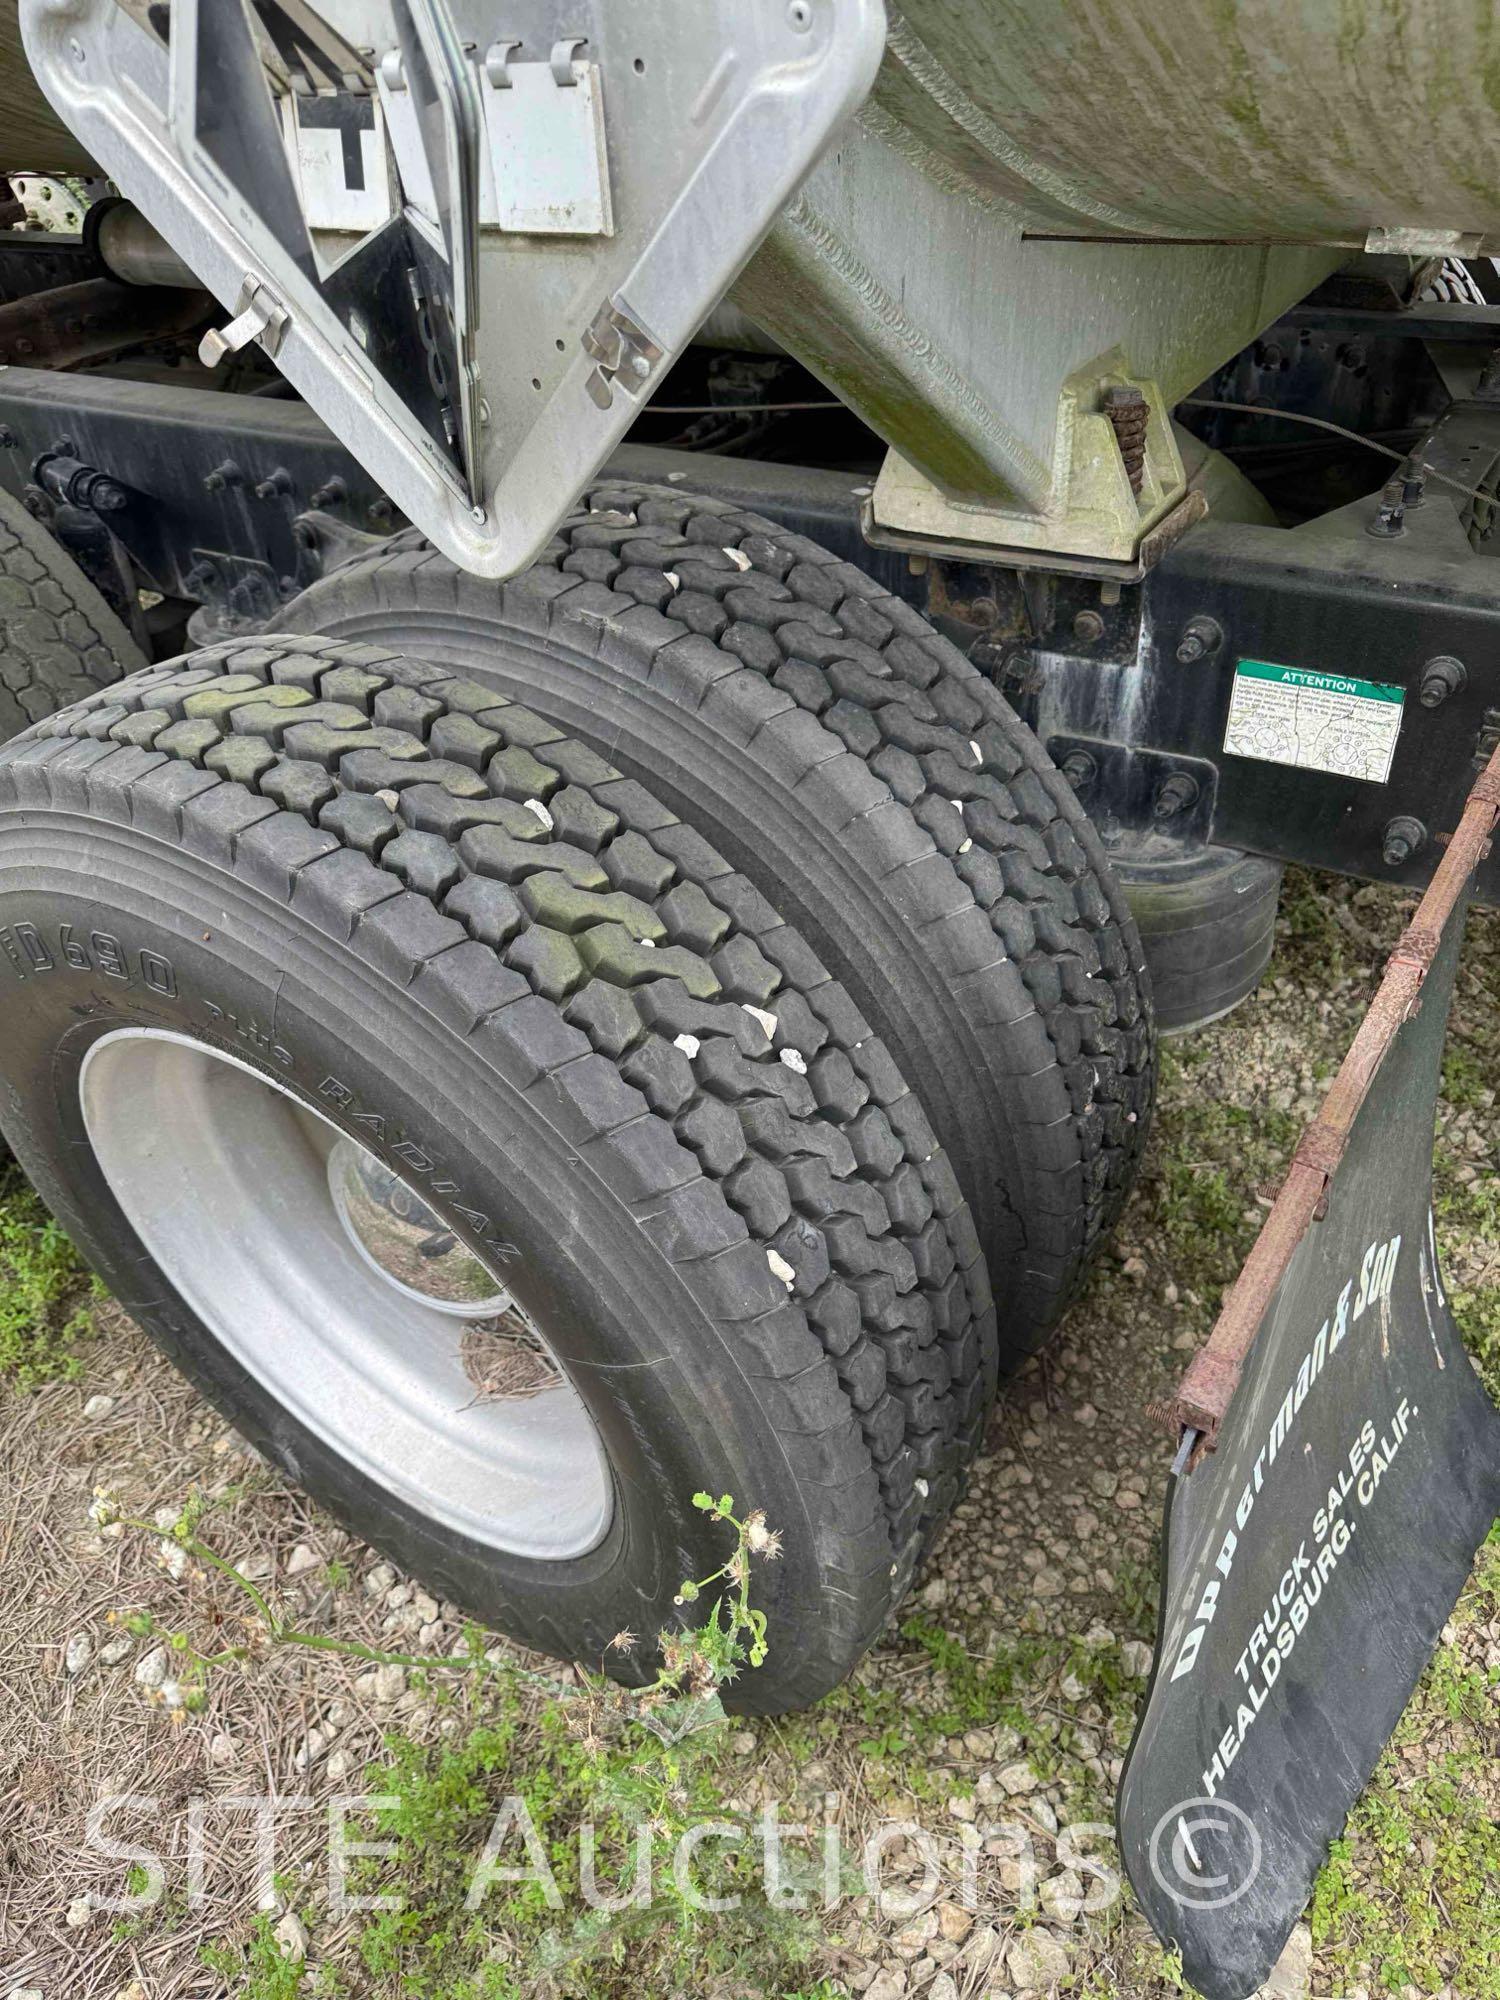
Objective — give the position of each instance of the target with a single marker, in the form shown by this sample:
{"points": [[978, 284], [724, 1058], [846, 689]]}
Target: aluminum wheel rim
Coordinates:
{"points": [[224, 1176]]}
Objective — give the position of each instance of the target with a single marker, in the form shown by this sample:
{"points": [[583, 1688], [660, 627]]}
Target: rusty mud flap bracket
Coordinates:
{"points": [[1338, 1465]]}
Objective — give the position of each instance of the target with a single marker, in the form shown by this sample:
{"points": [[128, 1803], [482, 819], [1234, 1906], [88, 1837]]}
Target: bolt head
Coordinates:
{"points": [[1190, 648], [1088, 626]]}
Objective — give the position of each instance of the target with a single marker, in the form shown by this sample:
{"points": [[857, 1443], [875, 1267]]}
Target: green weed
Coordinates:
{"points": [[44, 1318]]}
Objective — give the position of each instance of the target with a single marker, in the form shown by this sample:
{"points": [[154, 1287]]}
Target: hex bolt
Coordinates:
{"points": [[1201, 636], [279, 482], [227, 474], [381, 511], [1177, 794], [1404, 836], [1080, 770], [330, 493], [1088, 626], [1443, 675]]}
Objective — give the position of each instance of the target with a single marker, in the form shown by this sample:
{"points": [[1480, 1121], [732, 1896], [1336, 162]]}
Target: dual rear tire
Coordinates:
{"points": [[278, 897], [337, 977], [880, 793]]}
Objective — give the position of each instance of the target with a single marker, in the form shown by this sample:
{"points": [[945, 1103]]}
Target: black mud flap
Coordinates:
{"points": [[1313, 1553]]}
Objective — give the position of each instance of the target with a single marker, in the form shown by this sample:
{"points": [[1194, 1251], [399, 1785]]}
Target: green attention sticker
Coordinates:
{"points": [[1337, 723], [1303, 677]]}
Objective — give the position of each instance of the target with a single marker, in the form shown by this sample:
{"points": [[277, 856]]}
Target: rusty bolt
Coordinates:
{"points": [[1129, 413], [1442, 676], [1404, 837], [1201, 636], [1088, 626], [1390, 516]]}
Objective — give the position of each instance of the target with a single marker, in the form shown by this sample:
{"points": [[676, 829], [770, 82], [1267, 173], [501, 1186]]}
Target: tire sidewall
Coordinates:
{"points": [[173, 944]]}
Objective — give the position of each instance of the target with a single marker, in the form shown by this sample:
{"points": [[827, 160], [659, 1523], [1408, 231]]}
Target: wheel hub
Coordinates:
{"points": [[344, 1294], [412, 1247]]}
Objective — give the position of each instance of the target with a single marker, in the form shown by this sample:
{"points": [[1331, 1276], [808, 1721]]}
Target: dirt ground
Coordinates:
{"points": [[1007, 1693]]}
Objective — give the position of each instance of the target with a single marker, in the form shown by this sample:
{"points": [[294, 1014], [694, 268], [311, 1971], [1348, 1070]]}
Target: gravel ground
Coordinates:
{"points": [[1007, 1695]]}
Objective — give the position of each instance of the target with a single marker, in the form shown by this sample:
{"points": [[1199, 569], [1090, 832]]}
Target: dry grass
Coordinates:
{"points": [[1055, 1540]]}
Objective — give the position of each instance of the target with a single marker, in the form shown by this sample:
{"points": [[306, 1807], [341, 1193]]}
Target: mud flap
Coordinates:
{"points": [[1339, 1465]]}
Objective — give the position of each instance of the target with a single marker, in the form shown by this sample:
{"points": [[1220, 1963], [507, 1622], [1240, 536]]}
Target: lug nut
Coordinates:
{"points": [[1441, 677], [1404, 837], [1201, 636]]}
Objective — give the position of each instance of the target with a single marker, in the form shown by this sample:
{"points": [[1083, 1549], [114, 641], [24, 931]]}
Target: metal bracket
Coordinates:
{"points": [[564, 55], [622, 348], [257, 316]]}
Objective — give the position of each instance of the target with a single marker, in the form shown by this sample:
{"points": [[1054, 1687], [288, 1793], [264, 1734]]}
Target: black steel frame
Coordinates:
{"points": [[238, 502]]}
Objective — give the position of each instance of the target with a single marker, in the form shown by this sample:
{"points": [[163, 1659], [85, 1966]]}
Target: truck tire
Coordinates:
{"points": [[279, 897], [59, 640], [854, 766], [1208, 924]]}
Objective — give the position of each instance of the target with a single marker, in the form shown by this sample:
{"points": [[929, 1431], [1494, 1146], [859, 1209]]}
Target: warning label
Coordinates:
{"points": [[1320, 722]]}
